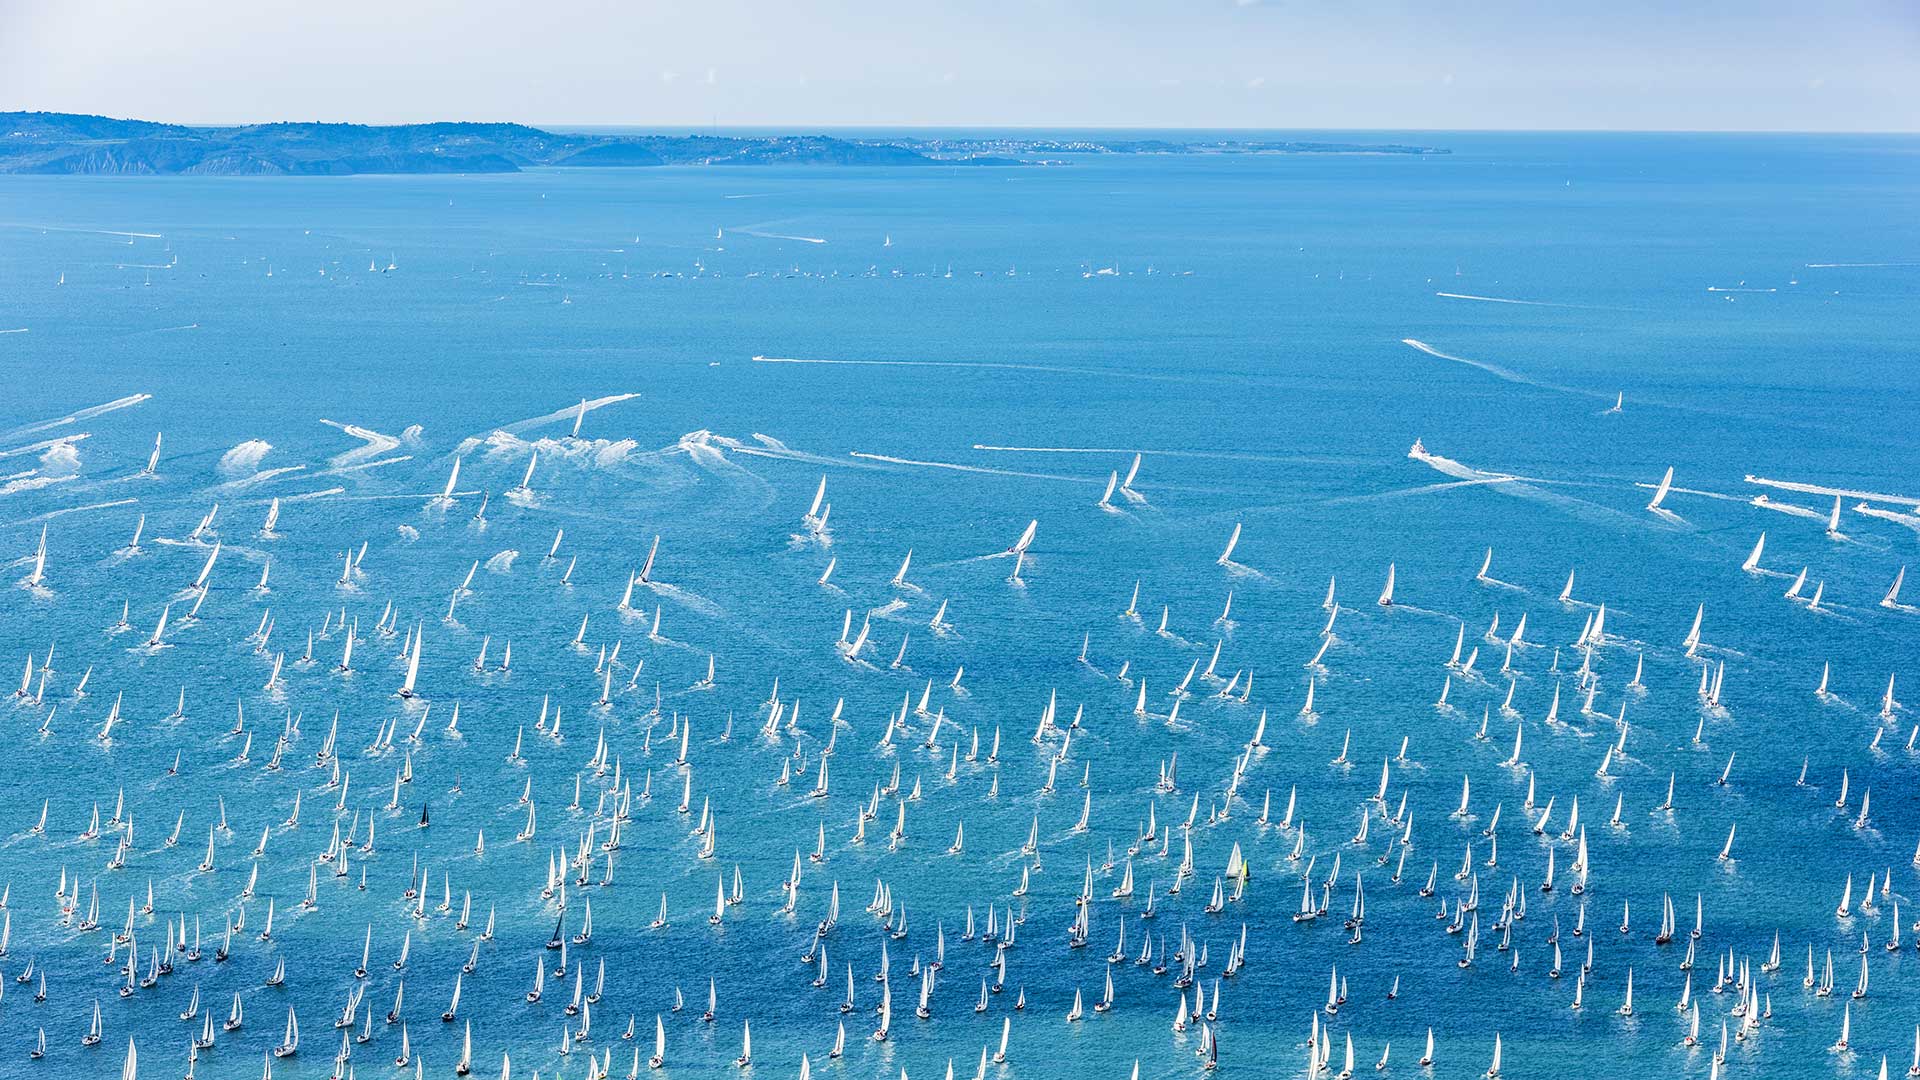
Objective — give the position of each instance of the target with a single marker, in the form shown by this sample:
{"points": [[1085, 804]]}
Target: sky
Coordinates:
{"points": [[1779, 65]]}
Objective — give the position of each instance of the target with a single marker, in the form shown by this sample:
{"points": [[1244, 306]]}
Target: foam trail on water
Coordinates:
{"points": [[974, 468], [30, 481], [92, 232], [1424, 489], [601, 453], [1499, 300], [567, 413], [1499, 372], [17, 330], [64, 511], [244, 458], [61, 459], [1845, 493], [258, 478], [373, 444], [1527, 487], [1221, 455], [681, 596], [770, 447], [84, 414], [1911, 521], [1676, 490], [306, 495], [503, 562], [364, 466], [977, 365], [744, 230], [36, 448], [1788, 508]]}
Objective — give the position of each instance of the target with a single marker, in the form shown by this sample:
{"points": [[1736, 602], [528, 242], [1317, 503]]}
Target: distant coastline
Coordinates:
{"points": [[43, 143]]}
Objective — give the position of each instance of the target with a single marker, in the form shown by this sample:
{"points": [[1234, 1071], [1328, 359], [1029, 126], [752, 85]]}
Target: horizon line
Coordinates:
{"points": [[898, 126]]}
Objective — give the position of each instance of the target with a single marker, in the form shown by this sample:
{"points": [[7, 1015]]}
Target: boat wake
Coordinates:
{"points": [[690, 600], [73, 418], [1833, 492], [976, 365], [1911, 521], [65, 510], [307, 495], [258, 478], [1670, 517], [568, 413], [45, 445], [982, 469], [1507, 374], [1767, 503], [502, 563], [1525, 487], [1216, 455], [1502, 300], [244, 459], [372, 443], [29, 481], [748, 230], [1424, 489]]}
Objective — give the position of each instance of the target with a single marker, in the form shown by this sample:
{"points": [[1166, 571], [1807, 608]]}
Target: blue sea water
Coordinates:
{"points": [[1238, 321]]}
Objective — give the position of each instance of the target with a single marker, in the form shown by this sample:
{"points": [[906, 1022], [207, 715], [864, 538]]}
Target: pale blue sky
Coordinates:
{"points": [[1632, 64]]}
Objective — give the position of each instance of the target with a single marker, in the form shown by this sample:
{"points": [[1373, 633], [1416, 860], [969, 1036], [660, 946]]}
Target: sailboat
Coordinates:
{"points": [[290, 1041], [1660, 492]]}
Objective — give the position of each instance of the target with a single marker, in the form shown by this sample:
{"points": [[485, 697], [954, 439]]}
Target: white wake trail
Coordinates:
{"points": [[748, 231], [84, 414], [1788, 508], [35, 448], [1498, 300], [372, 444], [1911, 521], [31, 482], [1507, 374], [982, 469], [1845, 493], [685, 598], [1219, 455], [567, 413], [1525, 487], [974, 365], [64, 511], [366, 465], [258, 478], [244, 458]]}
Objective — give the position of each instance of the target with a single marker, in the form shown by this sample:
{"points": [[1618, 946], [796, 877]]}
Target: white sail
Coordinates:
{"points": [[1232, 541], [1026, 539], [646, 572], [1660, 492]]}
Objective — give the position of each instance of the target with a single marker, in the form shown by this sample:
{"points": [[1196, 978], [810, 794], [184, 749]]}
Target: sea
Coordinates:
{"points": [[684, 354]]}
